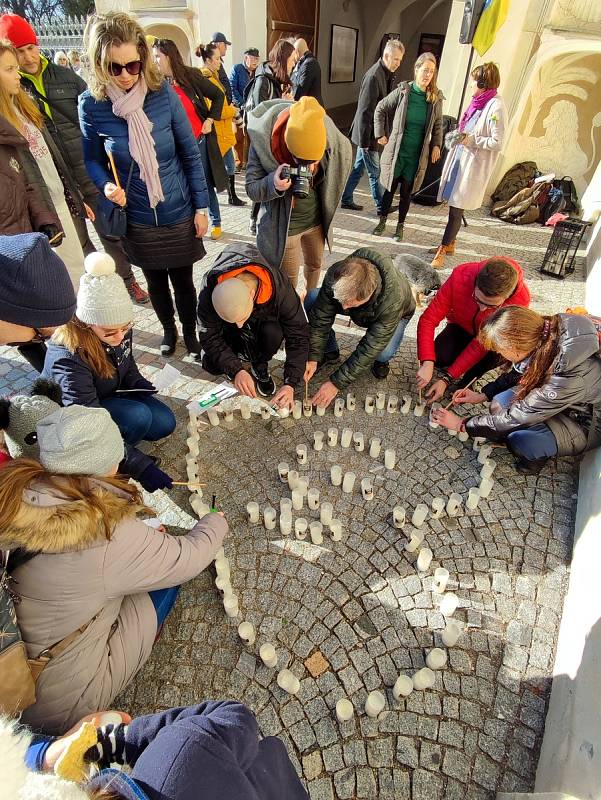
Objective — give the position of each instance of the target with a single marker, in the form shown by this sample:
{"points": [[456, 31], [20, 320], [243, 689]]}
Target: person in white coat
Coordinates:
{"points": [[472, 158]]}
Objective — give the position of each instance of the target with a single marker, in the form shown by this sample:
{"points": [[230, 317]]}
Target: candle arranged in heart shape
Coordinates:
{"points": [[313, 499], [374, 704], [348, 482], [346, 437], [300, 528], [436, 658], [398, 516], [268, 655], [325, 513], [403, 687], [336, 474], [246, 632], [344, 710]]}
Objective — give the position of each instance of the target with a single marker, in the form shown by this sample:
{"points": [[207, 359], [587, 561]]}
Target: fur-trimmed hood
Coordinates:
{"points": [[49, 523]]}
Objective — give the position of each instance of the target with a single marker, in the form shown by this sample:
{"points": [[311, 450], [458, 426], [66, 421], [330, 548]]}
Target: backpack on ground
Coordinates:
{"points": [[554, 203], [515, 179], [570, 195]]}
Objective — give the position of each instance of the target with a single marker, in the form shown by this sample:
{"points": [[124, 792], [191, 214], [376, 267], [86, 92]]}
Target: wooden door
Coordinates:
{"points": [[291, 19]]}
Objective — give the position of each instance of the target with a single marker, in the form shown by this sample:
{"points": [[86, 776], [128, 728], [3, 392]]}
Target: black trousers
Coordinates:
{"points": [[453, 225], [182, 281], [451, 342], [257, 343], [404, 187]]}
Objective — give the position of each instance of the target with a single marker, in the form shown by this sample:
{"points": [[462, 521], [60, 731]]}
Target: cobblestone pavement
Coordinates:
{"points": [[360, 603]]}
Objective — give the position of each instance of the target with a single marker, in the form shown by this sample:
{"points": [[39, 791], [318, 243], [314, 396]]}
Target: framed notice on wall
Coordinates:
{"points": [[431, 43], [343, 54]]}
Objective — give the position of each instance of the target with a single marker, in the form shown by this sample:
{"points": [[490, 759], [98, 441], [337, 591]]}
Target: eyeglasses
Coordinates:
{"points": [[486, 305], [132, 68]]}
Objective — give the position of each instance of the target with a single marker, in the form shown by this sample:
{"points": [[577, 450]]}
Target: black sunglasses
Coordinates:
{"points": [[132, 68]]}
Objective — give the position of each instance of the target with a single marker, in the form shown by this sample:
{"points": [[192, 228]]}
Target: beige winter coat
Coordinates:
{"points": [[80, 576]]}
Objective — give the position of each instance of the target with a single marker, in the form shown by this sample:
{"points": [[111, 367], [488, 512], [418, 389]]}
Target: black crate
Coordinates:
{"points": [[563, 246]]}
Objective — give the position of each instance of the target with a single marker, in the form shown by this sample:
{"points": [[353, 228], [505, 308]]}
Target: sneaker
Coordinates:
{"points": [[333, 355], [264, 381], [352, 206], [216, 233], [380, 369], [137, 294], [252, 226], [398, 234], [438, 260], [380, 227]]}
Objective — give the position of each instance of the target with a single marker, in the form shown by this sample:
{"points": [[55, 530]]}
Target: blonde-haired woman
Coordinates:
{"points": [[408, 122], [548, 403], [132, 113]]}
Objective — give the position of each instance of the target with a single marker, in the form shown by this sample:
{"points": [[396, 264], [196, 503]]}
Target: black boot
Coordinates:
{"points": [[530, 466], [191, 342], [169, 340], [233, 198]]}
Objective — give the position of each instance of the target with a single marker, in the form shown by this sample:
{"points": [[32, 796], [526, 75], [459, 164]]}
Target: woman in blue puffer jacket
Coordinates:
{"points": [[132, 114]]}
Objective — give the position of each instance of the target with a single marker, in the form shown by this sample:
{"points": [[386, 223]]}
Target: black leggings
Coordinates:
{"points": [[404, 198], [453, 225], [160, 295]]}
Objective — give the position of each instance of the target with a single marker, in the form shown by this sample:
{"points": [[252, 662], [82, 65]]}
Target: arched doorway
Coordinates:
{"points": [[176, 34]]}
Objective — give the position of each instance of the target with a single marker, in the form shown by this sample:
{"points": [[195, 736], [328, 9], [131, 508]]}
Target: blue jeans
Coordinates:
{"points": [[144, 418], [531, 443], [163, 601], [229, 162], [369, 160], [385, 355], [214, 212]]}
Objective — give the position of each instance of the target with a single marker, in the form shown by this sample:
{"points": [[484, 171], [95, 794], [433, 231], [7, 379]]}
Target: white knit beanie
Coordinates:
{"points": [[102, 298], [18, 781], [80, 441]]}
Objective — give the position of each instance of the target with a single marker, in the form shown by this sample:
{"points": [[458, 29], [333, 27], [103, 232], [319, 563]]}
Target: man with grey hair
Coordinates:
{"points": [[306, 75], [373, 292], [377, 82]]}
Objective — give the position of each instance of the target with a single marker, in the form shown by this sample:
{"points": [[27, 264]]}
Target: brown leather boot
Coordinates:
{"points": [[438, 260]]}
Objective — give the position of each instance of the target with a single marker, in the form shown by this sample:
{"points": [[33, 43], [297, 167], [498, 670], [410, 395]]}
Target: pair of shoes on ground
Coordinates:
{"points": [[380, 229], [379, 369], [167, 346], [440, 254]]}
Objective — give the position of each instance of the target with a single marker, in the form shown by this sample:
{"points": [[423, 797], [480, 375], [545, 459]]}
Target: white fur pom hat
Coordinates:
{"points": [[18, 781], [103, 298]]}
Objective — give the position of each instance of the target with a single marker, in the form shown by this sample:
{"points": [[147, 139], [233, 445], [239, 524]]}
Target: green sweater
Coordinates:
{"points": [[413, 135]]}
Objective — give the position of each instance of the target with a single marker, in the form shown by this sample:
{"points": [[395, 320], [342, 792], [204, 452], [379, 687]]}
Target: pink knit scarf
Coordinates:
{"points": [[130, 106], [479, 101]]}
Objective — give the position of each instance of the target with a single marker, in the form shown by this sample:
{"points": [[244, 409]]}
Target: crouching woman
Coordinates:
{"points": [[549, 403], [97, 582]]}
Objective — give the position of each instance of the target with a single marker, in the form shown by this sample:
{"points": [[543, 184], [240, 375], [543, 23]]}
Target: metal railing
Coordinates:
{"points": [[61, 34]]}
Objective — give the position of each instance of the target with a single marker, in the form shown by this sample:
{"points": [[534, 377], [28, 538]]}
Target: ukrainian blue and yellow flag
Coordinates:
{"points": [[493, 16]]}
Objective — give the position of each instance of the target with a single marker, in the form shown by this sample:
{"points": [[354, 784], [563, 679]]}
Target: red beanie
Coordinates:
{"points": [[17, 30]]}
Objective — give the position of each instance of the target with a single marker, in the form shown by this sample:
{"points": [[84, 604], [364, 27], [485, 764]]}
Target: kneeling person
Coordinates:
{"points": [[246, 308], [369, 288]]}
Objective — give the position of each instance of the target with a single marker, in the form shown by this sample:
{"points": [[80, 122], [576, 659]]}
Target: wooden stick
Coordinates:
{"points": [[306, 391], [187, 483], [420, 396], [448, 405]]}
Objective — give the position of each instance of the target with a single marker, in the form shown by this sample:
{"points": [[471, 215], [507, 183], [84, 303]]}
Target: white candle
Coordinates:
{"points": [[486, 485], [380, 400], [297, 499], [419, 409], [463, 436], [424, 559], [348, 482], [424, 679], [451, 432], [213, 417], [358, 442], [351, 401], [192, 443], [300, 528], [338, 406], [438, 504], [246, 631], [484, 453], [374, 704], [222, 567], [389, 458], [398, 516], [199, 507], [403, 687], [375, 445], [192, 473], [301, 453], [441, 578], [268, 655], [228, 417], [269, 518], [286, 524], [346, 437], [318, 437], [325, 513], [245, 408], [437, 658], [220, 553], [392, 404], [222, 582], [316, 532], [285, 505], [448, 604], [344, 710], [473, 497], [454, 505], [288, 681], [336, 530], [292, 479], [283, 471], [297, 409], [332, 437], [451, 634], [419, 515], [252, 509], [313, 499], [406, 407], [303, 486], [367, 488], [320, 411], [230, 604], [336, 474], [369, 404], [488, 468], [284, 412], [417, 537], [265, 413], [307, 408], [478, 442]]}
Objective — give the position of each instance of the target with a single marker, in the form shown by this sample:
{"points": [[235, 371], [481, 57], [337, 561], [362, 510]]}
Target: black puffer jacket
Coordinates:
{"points": [[569, 401], [283, 306], [63, 87]]}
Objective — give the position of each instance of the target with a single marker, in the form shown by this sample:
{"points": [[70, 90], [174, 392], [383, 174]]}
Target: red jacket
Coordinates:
{"points": [[455, 302]]}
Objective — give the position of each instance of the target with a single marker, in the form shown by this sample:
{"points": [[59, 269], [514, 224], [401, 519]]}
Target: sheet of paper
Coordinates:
{"points": [[166, 377]]}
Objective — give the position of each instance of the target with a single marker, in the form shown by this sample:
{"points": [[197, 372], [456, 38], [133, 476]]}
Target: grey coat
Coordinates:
{"points": [[569, 401], [389, 120], [274, 215]]}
